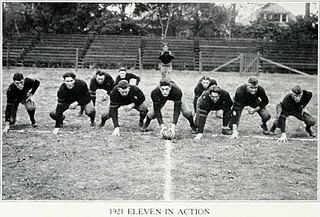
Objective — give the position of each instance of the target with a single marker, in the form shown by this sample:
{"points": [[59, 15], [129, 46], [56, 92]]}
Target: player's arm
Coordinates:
{"points": [[138, 79], [306, 100], [264, 99], [84, 94], [35, 85], [92, 90], [114, 116], [157, 112], [227, 109], [116, 81], [235, 113], [8, 110]]}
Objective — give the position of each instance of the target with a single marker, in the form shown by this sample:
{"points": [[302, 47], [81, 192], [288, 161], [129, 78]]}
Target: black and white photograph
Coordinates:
{"points": [[159, 102]]}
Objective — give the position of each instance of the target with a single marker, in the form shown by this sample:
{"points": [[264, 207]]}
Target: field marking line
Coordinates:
{"points": [[268, 138], [167, 169]]}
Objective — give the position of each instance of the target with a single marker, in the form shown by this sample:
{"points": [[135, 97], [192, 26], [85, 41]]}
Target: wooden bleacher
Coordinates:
{"points": [[109, 51], [303, 57], [57, 50], [215, 52], [182, 48], [18, 45]]}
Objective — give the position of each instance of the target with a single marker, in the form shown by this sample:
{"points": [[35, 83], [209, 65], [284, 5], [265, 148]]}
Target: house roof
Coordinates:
{"points": [[270, 8], [273, 8]]}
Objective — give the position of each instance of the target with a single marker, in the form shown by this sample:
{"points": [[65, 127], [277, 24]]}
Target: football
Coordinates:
{"points": [[167, 134]]}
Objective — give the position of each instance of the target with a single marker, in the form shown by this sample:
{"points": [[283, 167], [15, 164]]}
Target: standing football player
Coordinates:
{"points": [[72, 92], [212, 100], [253, 96], [166, 56], [124, 75], [294, 104], [126, 96], [168, 90], [101, 80], [20, 91]]}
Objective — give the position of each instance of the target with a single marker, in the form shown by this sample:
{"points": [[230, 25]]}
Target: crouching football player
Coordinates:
{"points": [[72, 92], [254, 96], [204, 84], [126, 96], [293, 104], [124, 75], [168, 90], [212, 100], [101, 80], [20, 91]]}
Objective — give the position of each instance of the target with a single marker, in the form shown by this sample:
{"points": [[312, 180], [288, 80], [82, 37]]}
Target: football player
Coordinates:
{"points": [[294, 104], [166, 56], [124, 75], [212, 100], [100, 80], [72, 92], [20, 91], [253, 96], [168, 90], [126, 96]]}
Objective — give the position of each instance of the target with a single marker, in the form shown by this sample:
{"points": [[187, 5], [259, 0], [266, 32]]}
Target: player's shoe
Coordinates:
{"points": [[264, 128], [226, 132], [193, 130], [309, 131], [272, 129], [34, 124], [140, 123], [93, 123]]}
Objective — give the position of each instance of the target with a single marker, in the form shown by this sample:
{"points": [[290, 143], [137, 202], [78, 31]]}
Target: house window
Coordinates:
{"points": [[284, 17], [276, 17]]}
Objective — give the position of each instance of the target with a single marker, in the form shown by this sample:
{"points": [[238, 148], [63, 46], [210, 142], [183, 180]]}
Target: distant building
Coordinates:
{"points": [[270, 12]]}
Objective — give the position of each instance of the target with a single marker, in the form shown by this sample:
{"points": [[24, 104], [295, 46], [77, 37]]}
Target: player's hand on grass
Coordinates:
{"points": [[6, 128], [73, 105], [234, 134], [116, 132], [128, 107], [283, 138], [198, 136], [162, 128], [56, 131]]}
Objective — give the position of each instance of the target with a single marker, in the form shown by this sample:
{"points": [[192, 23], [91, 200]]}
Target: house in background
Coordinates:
{"points": [[270, 12]]}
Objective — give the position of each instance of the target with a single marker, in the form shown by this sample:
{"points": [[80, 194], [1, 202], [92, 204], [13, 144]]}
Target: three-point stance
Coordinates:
{"points": [[293, 104], [126, 96], [20, 91], [212, 100], [166, 56], [101, 80], [168, 90], [254, 96], [72, 92], [124, 75]]}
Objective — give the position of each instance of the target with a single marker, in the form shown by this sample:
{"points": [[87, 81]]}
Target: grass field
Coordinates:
{"points": [[85, 163]]}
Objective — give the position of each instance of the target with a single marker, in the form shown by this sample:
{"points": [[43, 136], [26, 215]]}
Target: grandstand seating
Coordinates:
{"points": [[58, 50], [303, 57], [18, 46], [183, 50], [108, 51], [215, 52]]}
